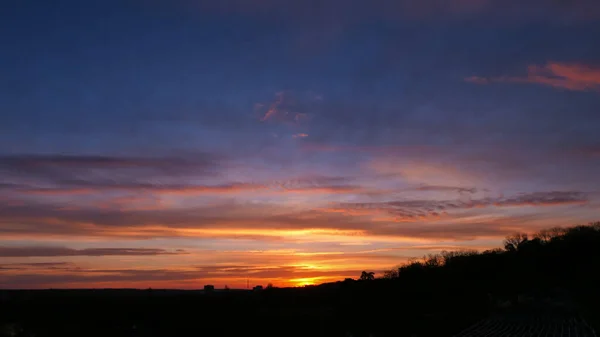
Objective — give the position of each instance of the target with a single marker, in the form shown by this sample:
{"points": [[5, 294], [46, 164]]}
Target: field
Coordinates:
{"points": [[503, 327], [542, 319]]}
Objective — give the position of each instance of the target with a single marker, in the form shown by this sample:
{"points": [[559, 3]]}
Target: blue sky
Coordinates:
{"points": [[214, 141]]}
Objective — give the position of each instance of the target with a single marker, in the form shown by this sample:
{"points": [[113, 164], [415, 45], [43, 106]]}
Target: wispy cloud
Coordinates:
{"points": [[181, 190], [338, 222], [440, 188], [575, 77], [77, 277], [288, 107], [412, 210], [58, 175], [544, 199], [591, 151], [388, 150], [61, 251], [33, 162], [36, 265], [77, 174], [421, 169], [274, 108], [478, 80]]}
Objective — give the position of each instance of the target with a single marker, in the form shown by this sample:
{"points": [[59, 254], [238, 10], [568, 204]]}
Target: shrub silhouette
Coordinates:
{"points": [[367, 276]]}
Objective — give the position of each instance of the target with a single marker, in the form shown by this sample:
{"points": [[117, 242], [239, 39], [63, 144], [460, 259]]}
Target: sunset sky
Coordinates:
{"points": [[172, 144]]}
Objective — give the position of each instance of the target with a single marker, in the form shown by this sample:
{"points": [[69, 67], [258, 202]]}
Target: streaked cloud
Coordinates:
{"points": [[424, 208], [61, 251], [36, 163], [81, 174], [274, 108], [341, 222], [288, 107], [575, 77], [53, 176], [78, 277], [435, 188], [233, 189], [36, 265], [427, 171]]}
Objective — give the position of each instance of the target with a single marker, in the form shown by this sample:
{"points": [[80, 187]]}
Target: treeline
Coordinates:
{"points": [[565, 258], [557, 264]]}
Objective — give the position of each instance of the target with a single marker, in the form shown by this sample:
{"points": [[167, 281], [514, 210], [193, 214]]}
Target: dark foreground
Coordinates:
{"points": [[357, 309], [370, 308], [542, 327], [543, 319]]}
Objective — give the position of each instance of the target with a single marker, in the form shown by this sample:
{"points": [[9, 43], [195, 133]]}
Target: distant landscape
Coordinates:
{"points": [[547, 277]]}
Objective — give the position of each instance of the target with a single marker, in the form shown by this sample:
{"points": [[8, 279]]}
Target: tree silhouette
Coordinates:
{"points": [[512, 242], [367, 276], [390, 274]]}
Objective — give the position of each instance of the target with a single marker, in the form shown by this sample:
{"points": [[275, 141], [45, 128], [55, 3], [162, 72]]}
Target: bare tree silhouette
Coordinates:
{"points": [[512, 242]]}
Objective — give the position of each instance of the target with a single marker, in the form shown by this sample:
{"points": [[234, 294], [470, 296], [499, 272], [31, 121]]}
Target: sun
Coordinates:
{"points": [[302, 282]]}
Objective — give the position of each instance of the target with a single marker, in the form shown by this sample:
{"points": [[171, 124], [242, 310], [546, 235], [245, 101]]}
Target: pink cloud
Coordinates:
{"points": [[287, 107], [234, 188], [274, 107], [575, 77], [477, 80]]}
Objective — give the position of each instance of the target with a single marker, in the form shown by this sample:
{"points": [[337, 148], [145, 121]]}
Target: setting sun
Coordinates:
{"points": [[301, 282]]}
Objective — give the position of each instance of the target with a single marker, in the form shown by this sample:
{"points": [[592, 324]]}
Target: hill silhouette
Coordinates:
{"points": [[546, 277]]}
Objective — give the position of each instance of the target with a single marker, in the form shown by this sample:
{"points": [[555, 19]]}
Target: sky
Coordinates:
{"points": [[173, 144]]}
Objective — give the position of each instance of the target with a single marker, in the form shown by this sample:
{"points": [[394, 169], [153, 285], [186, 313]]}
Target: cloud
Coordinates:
{"points": [[103, 186], [41, 162], [477, 80], [61, 251], [575, 77], [227, 220], [589, 151], [300, 135], [440, 188], [453, 231], [288, 107], [76, 174], [58, 176], [423, 208], [233, 188], [274, 108], [421, 169], [36, 265], [386, 150], [544, 199], [89, 278], [339, 222], [55, 191]]}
